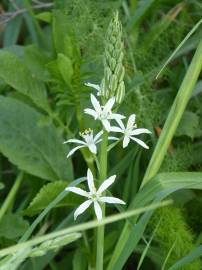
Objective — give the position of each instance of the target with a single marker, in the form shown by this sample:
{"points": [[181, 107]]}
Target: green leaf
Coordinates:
{"points": [[38, 151], [13, 226], [80, 227], [60, 27], [188, 125], [44, 16], [196, 253], [2, 185], [79, 260], [54, 244], [65, 67], [47, 194], [17, 75], [12, 27], [36, 61], [161, 186]]}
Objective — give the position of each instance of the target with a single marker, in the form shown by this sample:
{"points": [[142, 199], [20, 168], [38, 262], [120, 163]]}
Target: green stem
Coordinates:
{"points": [[103, 175], [9, 199]]}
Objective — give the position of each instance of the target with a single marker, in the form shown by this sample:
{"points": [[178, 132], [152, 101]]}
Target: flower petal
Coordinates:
{"points": [[90, 180], [98, 135], [111, 200], [131, 121], [120, 122], [106, 125], [92, 148], [78, 191], [95, 103], [82, 208], [113, 138], [95, 86], [140, 142], [116, 129], [140, 131], [108, 182], [98, 210], [126, 141], [74, 150], [108, 106], [75, 141], [91, 112], [116, 116]]}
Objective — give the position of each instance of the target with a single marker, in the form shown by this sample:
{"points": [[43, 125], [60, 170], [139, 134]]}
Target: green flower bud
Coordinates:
{"points": [[120, 92], [112, 84]]}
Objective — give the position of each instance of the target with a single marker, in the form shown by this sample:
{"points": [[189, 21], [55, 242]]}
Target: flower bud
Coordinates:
{"points": [[112, 83]]}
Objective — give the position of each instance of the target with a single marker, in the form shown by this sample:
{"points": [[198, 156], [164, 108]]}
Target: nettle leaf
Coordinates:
{"points": [[36, 150], [14, 72], [47, 194], [13, 226], [188, 125]]}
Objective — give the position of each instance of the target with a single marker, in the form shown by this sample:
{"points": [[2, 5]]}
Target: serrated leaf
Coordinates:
{"points": [[13, 226], [54, 244], [188, 125], [36, 150], [17, 75], [47, 194]]}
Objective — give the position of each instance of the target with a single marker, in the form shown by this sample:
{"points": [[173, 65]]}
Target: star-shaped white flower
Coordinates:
{"points": [[103, 113], [94, 86], [94, 196], [130, 131], [89, 142]]}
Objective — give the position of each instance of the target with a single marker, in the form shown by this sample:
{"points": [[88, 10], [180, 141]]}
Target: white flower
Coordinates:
{"points": [[94, 86], [94, 196], [130, 131], [103, 113], [89, 141]]}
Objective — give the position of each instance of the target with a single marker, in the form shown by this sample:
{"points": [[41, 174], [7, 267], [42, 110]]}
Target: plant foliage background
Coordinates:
{"points": [[49, 49]]}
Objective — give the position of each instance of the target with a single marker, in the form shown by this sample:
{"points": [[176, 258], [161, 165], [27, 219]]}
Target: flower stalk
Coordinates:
{"points": [[100, 229]]}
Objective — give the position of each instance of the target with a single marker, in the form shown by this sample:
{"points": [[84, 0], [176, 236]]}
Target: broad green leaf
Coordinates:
{"points": [[36, 150], [17, 75], [13, 226], [36, 61], [47, 194], [188, 125], [161, 186]]}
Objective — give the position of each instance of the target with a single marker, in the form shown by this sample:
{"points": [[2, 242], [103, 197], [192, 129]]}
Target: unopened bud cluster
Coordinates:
{"points": [[112, 84]]}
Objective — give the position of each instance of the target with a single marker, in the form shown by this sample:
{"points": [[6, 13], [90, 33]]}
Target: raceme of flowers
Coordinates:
{"points": [[105, 115]]}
